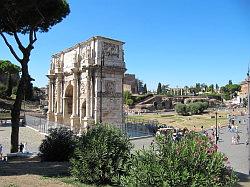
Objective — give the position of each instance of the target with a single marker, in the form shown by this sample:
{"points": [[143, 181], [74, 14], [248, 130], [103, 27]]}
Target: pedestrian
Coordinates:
{"points": [[202, 129], [233, 140], [237, 138], [1, 152], [219, 127], [236, 128], [25, 147], [21, 146], [229, 127]]}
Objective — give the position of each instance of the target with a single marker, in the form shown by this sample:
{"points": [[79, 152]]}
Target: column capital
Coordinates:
{"points": [[51, 77]]}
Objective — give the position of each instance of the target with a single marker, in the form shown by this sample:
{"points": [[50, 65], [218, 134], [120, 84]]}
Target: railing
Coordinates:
{"points": [[132, 128], [42, 125]]}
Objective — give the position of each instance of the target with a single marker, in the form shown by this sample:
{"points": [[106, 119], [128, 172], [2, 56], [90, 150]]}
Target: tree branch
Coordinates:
{"points": [[35, 38], [10, 47], [32, 39], [21, 47], [31, 36]]}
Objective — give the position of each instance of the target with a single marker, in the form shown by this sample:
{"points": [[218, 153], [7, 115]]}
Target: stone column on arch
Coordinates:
{"points": [[88, 119], [97, 97], [50, 114], [74, 118], [58, 115]]}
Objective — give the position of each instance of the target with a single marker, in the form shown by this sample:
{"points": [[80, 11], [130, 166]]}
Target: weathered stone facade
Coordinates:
{"points": [[86, 83], [130, 83]]}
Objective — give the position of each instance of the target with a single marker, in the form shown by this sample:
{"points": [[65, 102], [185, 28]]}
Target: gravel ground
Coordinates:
{"points": [[31, 137]]}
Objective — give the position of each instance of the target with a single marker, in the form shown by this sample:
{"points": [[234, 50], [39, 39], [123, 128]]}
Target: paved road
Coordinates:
{"points": [[237, 154]]}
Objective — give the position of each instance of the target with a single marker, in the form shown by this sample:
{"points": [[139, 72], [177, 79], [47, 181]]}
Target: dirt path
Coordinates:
{"points": [[30, 181]]}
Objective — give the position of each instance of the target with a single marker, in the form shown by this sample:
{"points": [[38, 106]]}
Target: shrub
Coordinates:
{"points": [[2, 90], [194, 108], [58, 145], [181, 109], [14, 90], [192, 161], [129, 102], [100, 155]]}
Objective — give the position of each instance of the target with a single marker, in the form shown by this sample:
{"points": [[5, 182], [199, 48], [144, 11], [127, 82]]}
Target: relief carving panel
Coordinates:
{"points": [[111, 50]]}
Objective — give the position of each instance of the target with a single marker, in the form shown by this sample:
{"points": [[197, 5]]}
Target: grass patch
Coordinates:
{"points": [[193, 122], [5, 115], [167, 115]]}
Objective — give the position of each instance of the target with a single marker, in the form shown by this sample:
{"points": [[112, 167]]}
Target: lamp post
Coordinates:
{"points": [[216, 128], [248, 116]]}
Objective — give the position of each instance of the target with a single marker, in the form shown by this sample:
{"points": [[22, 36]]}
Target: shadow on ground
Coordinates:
{"points": [[34, 167], [244, 180]]}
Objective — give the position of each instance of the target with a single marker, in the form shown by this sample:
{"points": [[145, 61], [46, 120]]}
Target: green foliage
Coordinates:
{"points": [[211, 88], [226, 96], [245, 100], [181, 109], [59, 145], [145, 90], [100, 155], [22, 16], [230, 90], [140, 98], [14, 90], [7, 68], [192, 161], [130, 100], [191, 108], [216, 96], [2, 90], [159, 90]]}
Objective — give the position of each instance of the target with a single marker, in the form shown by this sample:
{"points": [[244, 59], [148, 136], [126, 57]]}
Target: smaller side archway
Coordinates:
{"points": [[68, 100]]}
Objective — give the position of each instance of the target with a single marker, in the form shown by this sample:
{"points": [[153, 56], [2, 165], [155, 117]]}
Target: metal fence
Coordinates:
{"points": [[41, 124], [132, 128]]}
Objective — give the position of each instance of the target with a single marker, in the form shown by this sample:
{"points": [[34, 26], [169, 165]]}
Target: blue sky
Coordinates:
{"points": [[176, 42]]}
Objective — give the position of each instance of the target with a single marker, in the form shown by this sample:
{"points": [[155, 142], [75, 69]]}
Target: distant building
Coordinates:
{"points": [[130, 83], [243, 90]]}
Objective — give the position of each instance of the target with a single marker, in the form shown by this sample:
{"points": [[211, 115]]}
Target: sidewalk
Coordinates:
{"points": [[237, 154]]}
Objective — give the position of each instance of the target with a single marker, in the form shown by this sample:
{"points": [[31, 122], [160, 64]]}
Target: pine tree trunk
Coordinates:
{"points": [[15, 112]]}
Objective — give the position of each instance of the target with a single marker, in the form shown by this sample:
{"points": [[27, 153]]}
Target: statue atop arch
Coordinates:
{"points": [[89, 91]]}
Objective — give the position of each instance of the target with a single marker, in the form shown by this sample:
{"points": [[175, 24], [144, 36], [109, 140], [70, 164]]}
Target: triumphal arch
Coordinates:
{"points": [[86, 83]]}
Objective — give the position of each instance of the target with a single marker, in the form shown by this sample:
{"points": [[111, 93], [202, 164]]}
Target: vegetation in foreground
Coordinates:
{"points": [[100, 156], [192, 161], [103, 156], [59, 145]]}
